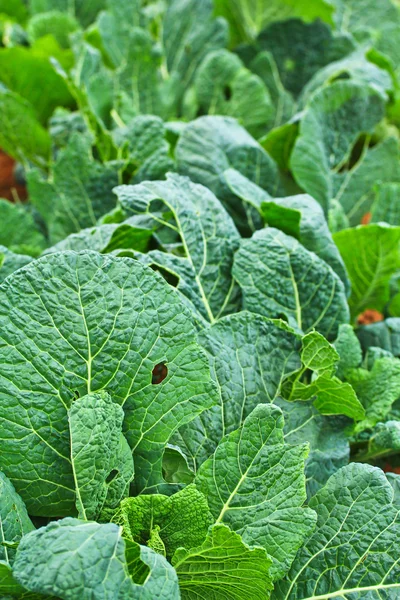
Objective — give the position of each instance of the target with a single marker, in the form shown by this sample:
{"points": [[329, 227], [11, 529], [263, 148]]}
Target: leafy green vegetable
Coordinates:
{"points": [[261, 490], [226, 563], [279, 283]]}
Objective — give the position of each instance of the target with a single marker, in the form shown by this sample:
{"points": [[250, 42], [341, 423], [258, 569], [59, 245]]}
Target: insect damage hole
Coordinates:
{"points": [[159, 373]]}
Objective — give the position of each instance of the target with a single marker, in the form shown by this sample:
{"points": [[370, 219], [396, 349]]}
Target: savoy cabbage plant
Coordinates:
{"points": [[200, 300]]}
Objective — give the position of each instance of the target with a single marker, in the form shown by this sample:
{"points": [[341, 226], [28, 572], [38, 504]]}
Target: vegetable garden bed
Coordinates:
{"points": [[199, 300]]}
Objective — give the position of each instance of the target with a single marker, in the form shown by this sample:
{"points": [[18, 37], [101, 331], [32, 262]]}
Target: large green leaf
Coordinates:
{"points": [[255, 483], [301, 49], [372, 255], [78, 192], [85, 11], [329, 445], [279, 277], [71, 558], [223, 566], [386, 206], [19, 231], [14, 520], [180, 520], [365, 16], [353, 552], [190, 32], [21, 134], [106, 238], [34, 78], [87, 322], [223, 86], [207, 233], [10, 262], [250, 358], [248, 17], [210, 145], [334, 120], [102, 463]]}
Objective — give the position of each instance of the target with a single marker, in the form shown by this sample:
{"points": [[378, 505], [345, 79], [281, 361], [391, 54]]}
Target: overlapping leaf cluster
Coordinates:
{"points": [[200, 302]]}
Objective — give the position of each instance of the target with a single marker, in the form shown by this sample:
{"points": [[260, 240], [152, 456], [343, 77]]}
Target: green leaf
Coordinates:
{"points": [[10, 262], [279, 283], [224, 566], [106, 238], [34, 78], [250, 358], [334, 120], [312, 229], [85, 12], [359, 69], [19, 231], [371, 254], [224, 86], [14, 520], [349, 350], [386, 206], [85, 323], [329, 445], [377, 389], [333, 397], [190, 33], [301, 49], [208, 236], [352, 552], [384, 334], [255, 483], [55, 23], [72, 558], [78, 192], [148, 150], [21, 134], [95, 425], [248, 18], [175, 466], [366, 16], [384, 440], [181, 519], [210, 145]]}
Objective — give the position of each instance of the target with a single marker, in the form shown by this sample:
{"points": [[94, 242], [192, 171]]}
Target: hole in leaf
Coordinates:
{"points": [[227, 92], [169, 277], [112, 475], [159, 373]]}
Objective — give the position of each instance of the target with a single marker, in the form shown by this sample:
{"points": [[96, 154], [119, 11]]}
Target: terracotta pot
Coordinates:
{"points": [[9, 187]]}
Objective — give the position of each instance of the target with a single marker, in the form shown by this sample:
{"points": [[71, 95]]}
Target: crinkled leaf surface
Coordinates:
{"points": [[208, 235], [72, 558], [14, 520], [19, 231], [329, 445], [312, 229], [371, 254], [210, 145], [349, 350], [106, 238], [250, 358], [78, 193], [255, 484], [95, 425], [386, 206], [10, 262], [182, 519], [335, 118], [384, 334], [223, 566], [287, 280], [86, 322], [21, 134], [353, 551]]}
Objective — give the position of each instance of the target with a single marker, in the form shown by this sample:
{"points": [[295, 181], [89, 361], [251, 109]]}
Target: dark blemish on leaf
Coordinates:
{"points": [[112, 475], [159, 373]]}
